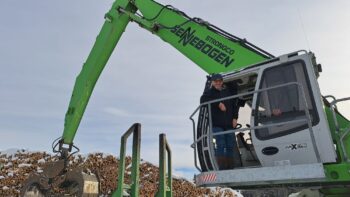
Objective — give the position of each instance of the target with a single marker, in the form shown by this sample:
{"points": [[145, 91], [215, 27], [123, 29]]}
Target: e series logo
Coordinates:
{"points": [[220, 53]]}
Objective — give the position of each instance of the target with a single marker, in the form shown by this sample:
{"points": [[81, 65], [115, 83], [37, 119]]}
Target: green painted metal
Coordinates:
{"points": [[106, 41], [196, 39], [135, 129], [343, 125], [210, 48], [335, 192], [165, 182], [338, 173]]}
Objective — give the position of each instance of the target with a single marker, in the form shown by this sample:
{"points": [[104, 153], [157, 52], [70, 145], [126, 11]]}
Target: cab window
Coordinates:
{"points": [[284, 104]]}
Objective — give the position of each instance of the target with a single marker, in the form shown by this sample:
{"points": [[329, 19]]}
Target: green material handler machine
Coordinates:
{"points": [[306, 146]]}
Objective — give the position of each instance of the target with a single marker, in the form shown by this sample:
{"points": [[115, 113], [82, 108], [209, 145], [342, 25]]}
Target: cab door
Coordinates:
{"points": [[285, 133]]}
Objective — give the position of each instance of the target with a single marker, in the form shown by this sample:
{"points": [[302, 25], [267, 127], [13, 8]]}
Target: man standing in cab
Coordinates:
{"points": [[224, 115]]}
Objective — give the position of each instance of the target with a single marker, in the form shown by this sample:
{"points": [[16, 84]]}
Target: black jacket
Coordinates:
{"points": [[220, 118]]}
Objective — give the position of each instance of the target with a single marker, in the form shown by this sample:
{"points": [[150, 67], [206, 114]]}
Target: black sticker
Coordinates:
{"points": [[296, 146]]}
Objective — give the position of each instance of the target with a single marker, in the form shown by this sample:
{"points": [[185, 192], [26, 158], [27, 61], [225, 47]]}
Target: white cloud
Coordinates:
{"points": [[117, 112]]}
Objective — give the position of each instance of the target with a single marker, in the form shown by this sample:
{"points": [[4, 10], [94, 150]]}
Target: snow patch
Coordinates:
{"points": [[9, 164], [41, 161], [23, 165], [13, 151], [39, 170], [5, 188]]}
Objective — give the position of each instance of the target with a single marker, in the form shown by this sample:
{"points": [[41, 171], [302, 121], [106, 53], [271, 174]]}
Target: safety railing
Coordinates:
{"points": [[333, 106], [209, 135], [165, 173], [165, 179], [135, 129]]}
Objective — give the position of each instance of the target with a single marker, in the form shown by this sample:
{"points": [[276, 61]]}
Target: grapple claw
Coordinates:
{"points": [[33, 187], [56, 180], [82, 184]]}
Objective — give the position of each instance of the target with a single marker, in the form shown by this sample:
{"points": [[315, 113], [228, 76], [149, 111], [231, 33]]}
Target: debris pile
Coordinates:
{"points": [[16, 167]]}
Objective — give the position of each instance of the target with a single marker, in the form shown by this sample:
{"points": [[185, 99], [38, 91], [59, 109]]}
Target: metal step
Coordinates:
{"points": [[262, 176]]}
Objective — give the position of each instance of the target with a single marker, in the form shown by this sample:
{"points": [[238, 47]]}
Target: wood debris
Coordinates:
{"points": [[15, 168]]}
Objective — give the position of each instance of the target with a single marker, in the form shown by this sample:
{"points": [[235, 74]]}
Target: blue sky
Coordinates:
{"points": [[43, 45]]}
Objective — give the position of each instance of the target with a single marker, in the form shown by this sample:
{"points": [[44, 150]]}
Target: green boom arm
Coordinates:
{"points": [[211, 48]]}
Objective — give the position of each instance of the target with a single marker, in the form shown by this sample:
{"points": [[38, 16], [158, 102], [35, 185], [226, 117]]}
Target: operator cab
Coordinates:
{"points": [[285, 134]]}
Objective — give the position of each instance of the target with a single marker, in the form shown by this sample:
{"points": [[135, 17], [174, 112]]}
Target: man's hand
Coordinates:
{"points": [[276, 112], [222, 106], [234, 123]]}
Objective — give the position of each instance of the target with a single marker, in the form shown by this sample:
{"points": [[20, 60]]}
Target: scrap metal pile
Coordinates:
{"points": [[16, 167]]}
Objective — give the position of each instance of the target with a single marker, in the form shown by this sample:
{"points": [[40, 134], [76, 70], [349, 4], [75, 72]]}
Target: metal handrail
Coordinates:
{"points": [[203, 153], [165, 182], [251, 128], [329, 96], [306, 109], [135, 129], [260, 127], [333, 106], [245, 94], [211, 147]]}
